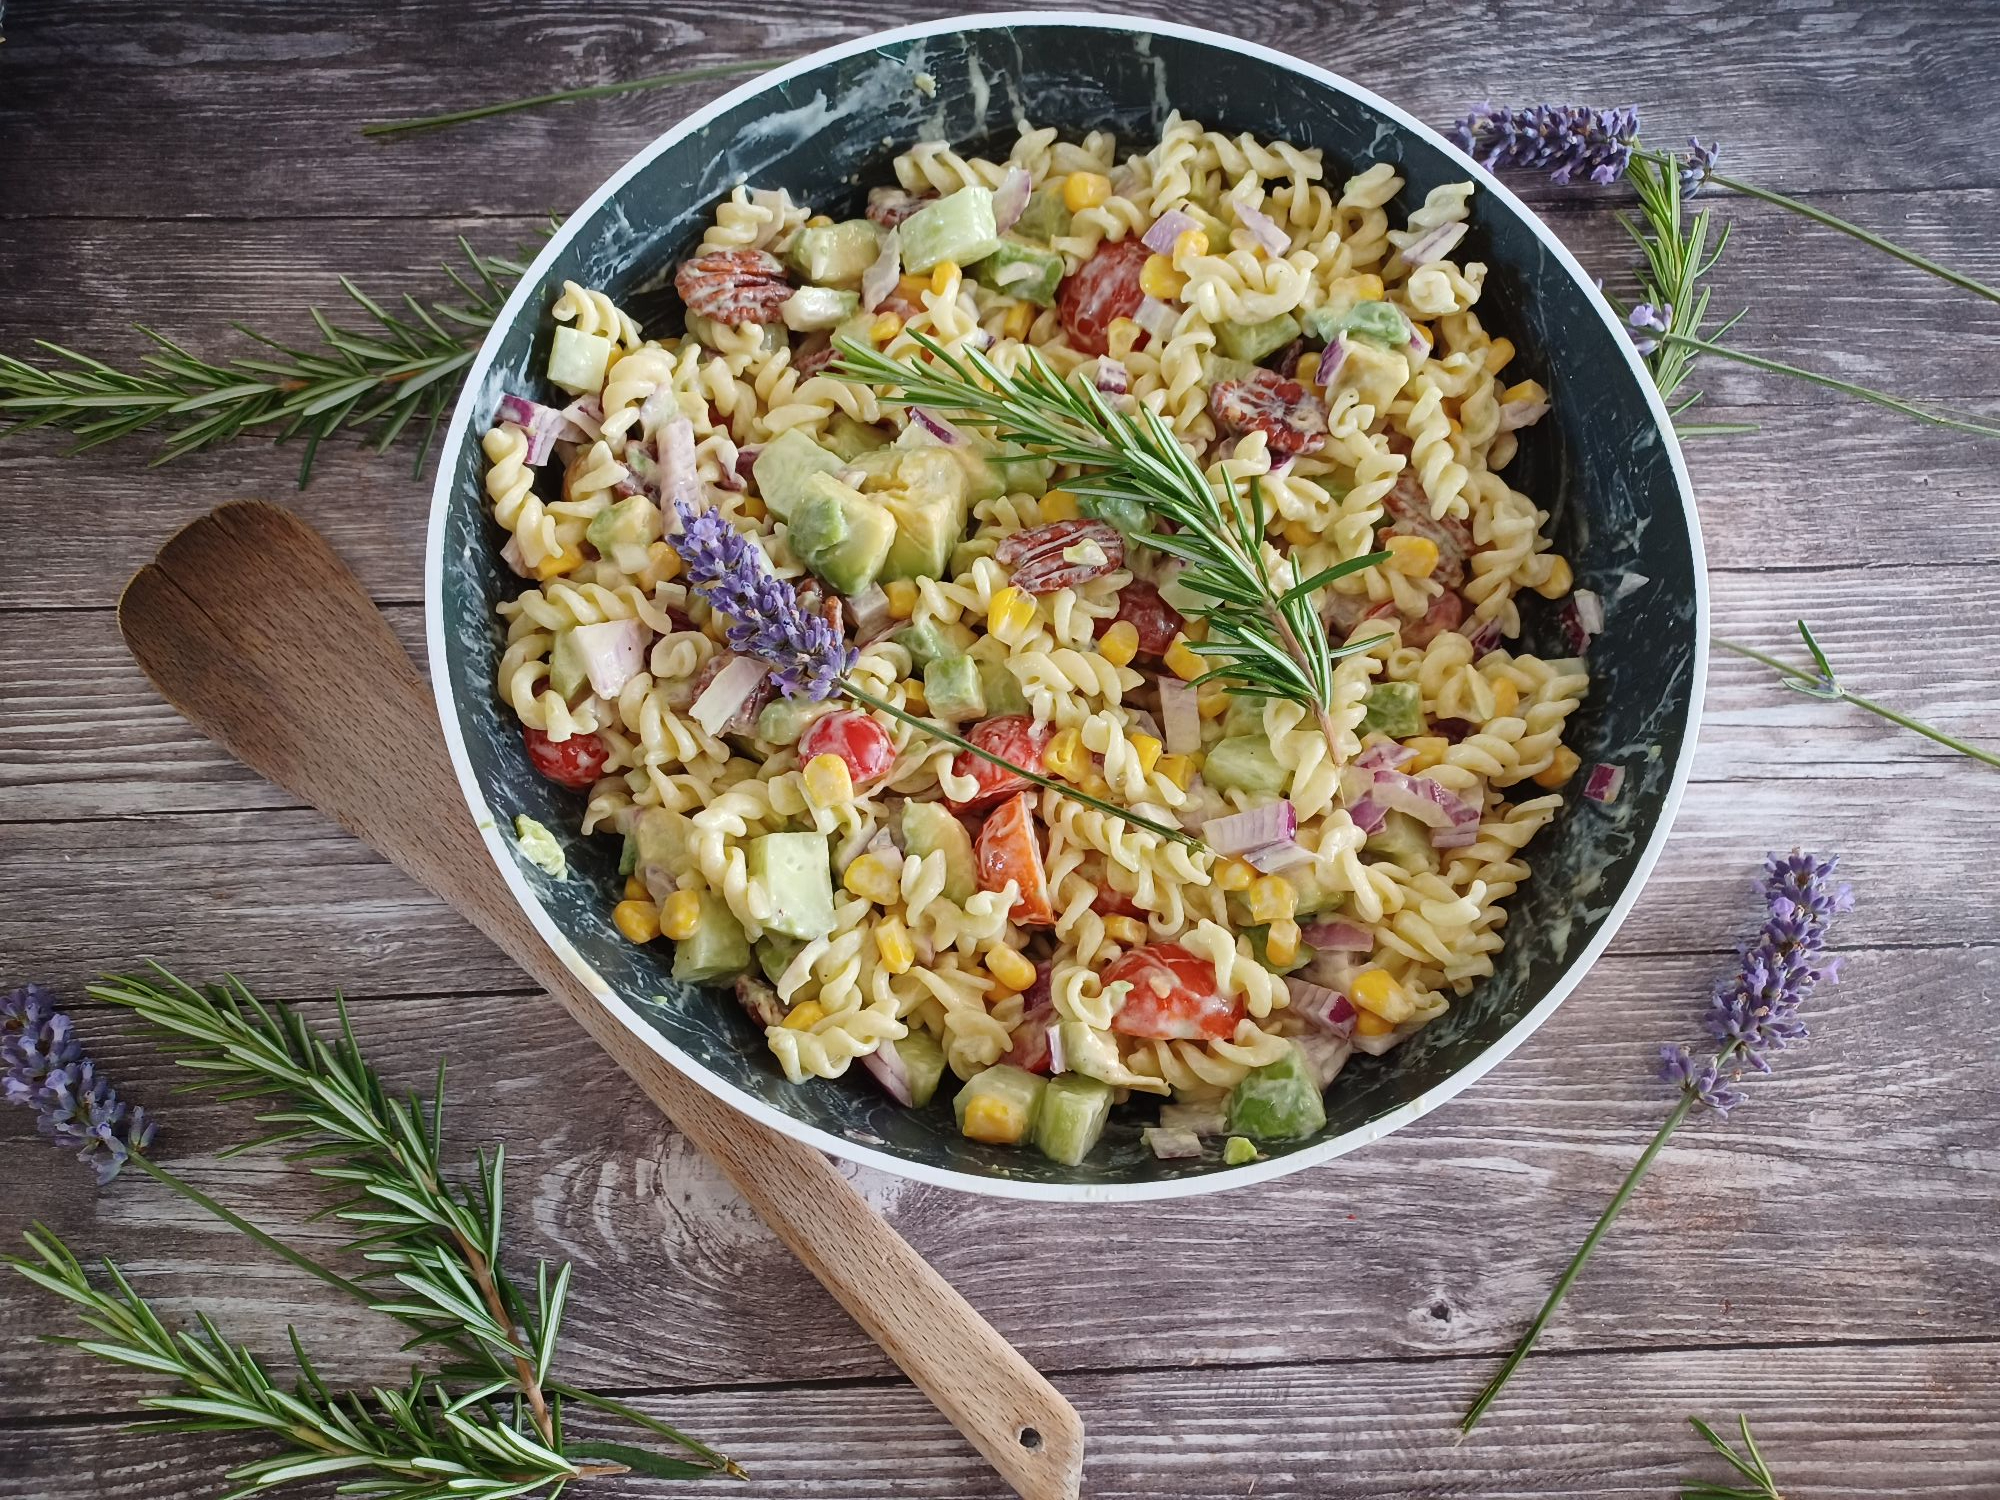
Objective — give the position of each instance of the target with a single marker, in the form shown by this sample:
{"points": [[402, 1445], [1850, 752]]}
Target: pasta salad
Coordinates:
{"points": [[873, 893]]}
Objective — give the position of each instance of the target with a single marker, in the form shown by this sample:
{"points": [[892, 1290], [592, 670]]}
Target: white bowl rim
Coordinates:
{"points": [[999, 1185]]}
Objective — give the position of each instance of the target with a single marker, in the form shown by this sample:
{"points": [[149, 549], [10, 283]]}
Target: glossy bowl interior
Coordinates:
{"points": [[1603, 462]]}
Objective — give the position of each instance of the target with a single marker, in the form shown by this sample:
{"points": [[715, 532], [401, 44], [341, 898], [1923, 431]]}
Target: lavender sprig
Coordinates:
{"points": [[47, 1070], [1752, 1013], [1564, 140]]}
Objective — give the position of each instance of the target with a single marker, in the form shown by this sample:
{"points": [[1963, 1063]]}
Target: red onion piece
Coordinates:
{"points": [[1484, 635], [1258, 829], [679, 478], [1323, 1007], [726, 694], [879, 280], [1453, 838], [1582, 617], [1368, 815], [1328, 1054], [1384, 755], [1330, 360], [1515, 415], [1166, 229], [1605, 783], [937, 427], [869, 608], [511, 555], [543, 425], [1435, 245], [1336, 934], [1180, 716], [1010, 198], [1157, 318], [1112, 377], [1171, 1145], [614, 652], [887, 1064], [1263, 228], [1375, 1046], [585, 416]]}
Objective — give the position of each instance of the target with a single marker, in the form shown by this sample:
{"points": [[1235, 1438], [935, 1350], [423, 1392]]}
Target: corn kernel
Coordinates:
{"points": [[828, 781], [1560, 580], [1190, 242], [818, 221], [1020, 317], [870, 878], [1083, 190], [1148, 750], [558, 563], [1307, 370], [680, 915], [1300, 533], [1526, 390], [1506, 698], [1158, 278], [944, 277], [752, 507], [1281, 942], [1011, 610], [1234, 874], [1097, 786], [1011, 969], [996, 1121], [1179, 769], [1182, 662], [1558, 771], [1127, 930], [1431, 750], [902, 594], [1374, 990], [1271, 898], [1412, 556], [885, 327], [1367, 287], [638, 920], [805, 1015], [1119, 644], [1060, 505], [1499, 354], [1367, 1023], [1066, 756], [1212, 703], [915, 699], [893, 945], [663, 565], [635, 889]]}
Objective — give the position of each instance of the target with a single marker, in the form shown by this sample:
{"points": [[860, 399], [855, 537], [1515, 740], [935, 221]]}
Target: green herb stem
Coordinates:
{"points": [[1961, 423], [567, 96], [1750, 1464]]}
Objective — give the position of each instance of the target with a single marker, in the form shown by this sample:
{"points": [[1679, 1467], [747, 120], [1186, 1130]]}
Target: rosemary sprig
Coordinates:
{"points": [[566, 96], [1676, 256], [1750, 1464], [1264, 633], [400, 372]]}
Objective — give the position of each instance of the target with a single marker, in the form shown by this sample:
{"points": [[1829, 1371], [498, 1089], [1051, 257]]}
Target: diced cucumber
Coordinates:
{"points": [[840, 534], [1393, 708], [923, 1061], [959, 229], [1245, 763], [660, 843], [836, 254], [846, 438], [1252, 341], [628, 856], [717, 949], [784, 720], [1377, 322], [625, 531], [1071, 1121], [1123, 512], [1243, 714], [1403, 840], [775, 953], [783, 466], [999, 1105], [818, 309], [1278, 1102], [1046, 215], [931, 826], [795, 869], [931, 639], [577, 361], [567, 666], [1019, 269], [1238, 1152], [952, 689]]}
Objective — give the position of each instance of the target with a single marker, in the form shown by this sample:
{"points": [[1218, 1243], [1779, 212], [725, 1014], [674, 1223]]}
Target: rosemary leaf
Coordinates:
{"points": [[567, 96]]}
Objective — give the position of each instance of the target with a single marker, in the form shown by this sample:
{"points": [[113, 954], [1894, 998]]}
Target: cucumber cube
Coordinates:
{"points": [[1252, 341], [846, 438], [1074, 1109], [784, 465], [775, 953], [933, 639], [833, 254], [816, 309], [931, 826], [1245, 763], [999, 1105], [577, 361], [958, 229], [625, 531], [784, 720], [567, 667], [1378, 322], [1393, 708], [1003, 694], [1216, 368], [1279, 1101], [1030, 272], [717, 950], [952, 689], [1238, 1152], [1046, 215], [923, 1060], [796, 870]]}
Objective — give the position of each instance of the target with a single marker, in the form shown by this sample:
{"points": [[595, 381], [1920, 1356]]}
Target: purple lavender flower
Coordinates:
{"points": [[807, 654], [45, 1068], [1697, 166], [1754, 1011], [1560, 139], [1647, 319]]}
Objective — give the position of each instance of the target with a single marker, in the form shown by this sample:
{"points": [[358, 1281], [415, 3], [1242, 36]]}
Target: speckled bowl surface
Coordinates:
{"points": [[1603, 462]]}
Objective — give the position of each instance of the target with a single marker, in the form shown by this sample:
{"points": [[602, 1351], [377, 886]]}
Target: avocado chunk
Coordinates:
{"points": [[1002, 693], [717, 950], [999, 1105], [848, 439], [1046, 215], [1216, 368], [784, 720], [818, 309], [931, 826], [996, 469], [1071, 1121], [841, 534], [959, 229], [930, 510], [1377, 322], [931, 639], [577, 361], [796, 870], [660, 843], [1019, 269], [1250, 342], [1238, 1152], [1278, 1102], [1244, 763], [624, 532], [952, 689], [923, 1061], [775, 953], [784, 465], [567, 667], [1393, 708], [1403, 840], [1121, 511], [836, 254]]}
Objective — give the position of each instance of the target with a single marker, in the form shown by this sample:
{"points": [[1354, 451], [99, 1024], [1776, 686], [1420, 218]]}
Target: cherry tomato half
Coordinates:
{"points": [[1013, 737], [1104, 287], [1009, 850], [1173, 996], [855, 738], [575, 762]]}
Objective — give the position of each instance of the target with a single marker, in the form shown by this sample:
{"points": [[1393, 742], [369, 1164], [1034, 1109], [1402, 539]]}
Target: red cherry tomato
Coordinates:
{"points": [[1030, 1045], [1104, 287], [1173, 996], [1157, 621], [575, 762], [855, 738], [1012, 737], [1008, 850], [1114, 903]]}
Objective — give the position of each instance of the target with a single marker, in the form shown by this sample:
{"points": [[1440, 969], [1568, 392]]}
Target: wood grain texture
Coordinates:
{"points": [[1822, 1261]]}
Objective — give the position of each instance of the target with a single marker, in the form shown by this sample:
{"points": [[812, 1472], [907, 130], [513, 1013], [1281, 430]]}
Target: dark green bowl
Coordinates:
{"points": [[1604, 462]]}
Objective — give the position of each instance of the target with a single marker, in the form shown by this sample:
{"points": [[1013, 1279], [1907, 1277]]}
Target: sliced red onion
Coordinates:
{"points": [[659, 405], [1434, 245], [880, 279], [1384, 755], [869, 608], [1368, 815], [1010, 198], [1157, 318], [1419, 343], [937, 427], [1058, 1057], [1336, 934], [511, 555], [1263, 228], [642, 476], [680, 479], [1515, 415], [614, 652], [1427, 801], [1112, 377], [1171, 1145], [1331, 359], [543, 425], [1180, 716], [1247, 832], [585, 416], [887, 1064], [1327, 1054], [1629, 583], [725, 696], [1605, 783], [1331, 967], [1453, 838], [729, 473], [1484, 635], [1323, 1007], [1167, 229]]}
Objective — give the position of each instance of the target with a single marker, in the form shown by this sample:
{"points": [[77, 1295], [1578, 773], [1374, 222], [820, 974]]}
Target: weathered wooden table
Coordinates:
{"points": [[1824, 1261]]}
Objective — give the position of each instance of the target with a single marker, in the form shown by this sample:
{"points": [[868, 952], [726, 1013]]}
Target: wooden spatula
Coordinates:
{"points": [[250, 625]]}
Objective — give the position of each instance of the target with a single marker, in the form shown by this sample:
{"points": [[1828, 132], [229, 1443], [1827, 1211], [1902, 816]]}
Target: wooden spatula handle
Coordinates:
{"points": [[251, 625]]}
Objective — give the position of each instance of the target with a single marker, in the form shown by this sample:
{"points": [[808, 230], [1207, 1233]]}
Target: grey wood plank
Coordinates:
{"points": [[1837, 1423], [1847, 1202]]}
